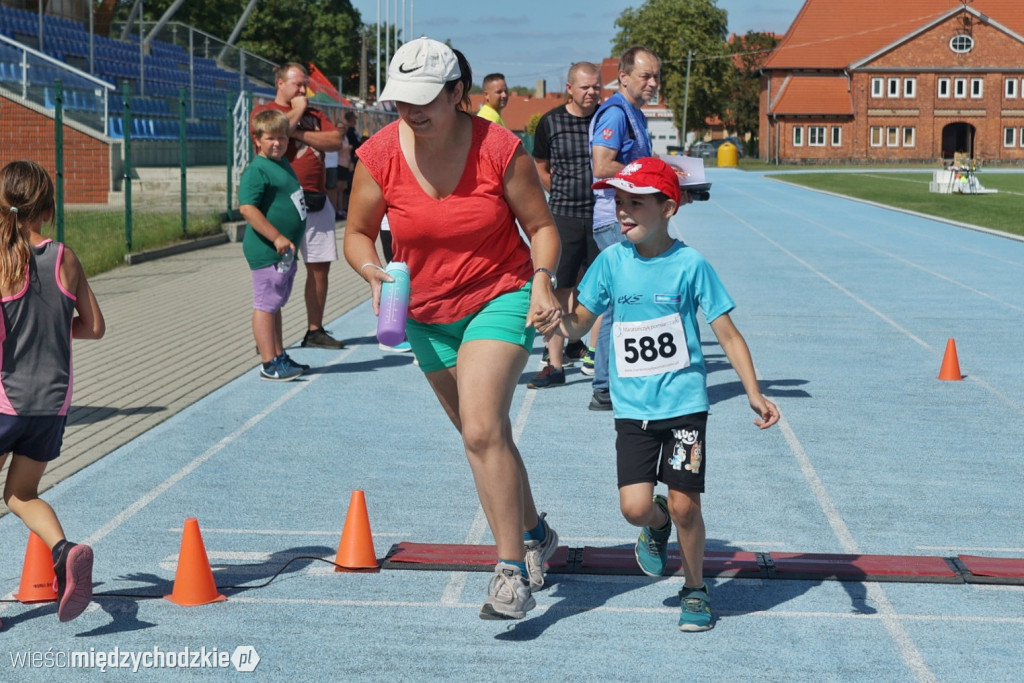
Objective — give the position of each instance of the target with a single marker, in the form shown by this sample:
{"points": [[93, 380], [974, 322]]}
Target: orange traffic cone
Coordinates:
{"points": [[355, 552], [38, 581], [193, 582], [950, 365]]}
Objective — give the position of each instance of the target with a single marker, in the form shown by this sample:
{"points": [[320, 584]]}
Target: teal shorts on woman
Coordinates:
{"points": [[502, 319]]}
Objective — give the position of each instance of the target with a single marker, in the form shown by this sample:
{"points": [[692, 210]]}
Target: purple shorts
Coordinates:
{"points": [[36, 437], [271, 289]]}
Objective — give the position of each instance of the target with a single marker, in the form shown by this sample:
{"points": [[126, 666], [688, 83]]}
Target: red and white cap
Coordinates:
{"points": [[645, 176]]}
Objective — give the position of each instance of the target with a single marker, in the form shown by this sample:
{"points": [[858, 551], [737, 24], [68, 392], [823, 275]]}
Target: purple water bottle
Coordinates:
{"points": [[394, 305]]}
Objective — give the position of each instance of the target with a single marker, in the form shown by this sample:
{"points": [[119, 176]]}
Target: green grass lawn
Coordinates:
{"points": [[98, 236], [909, 190]]}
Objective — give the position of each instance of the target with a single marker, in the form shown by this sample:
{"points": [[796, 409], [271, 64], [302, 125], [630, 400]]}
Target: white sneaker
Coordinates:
{"points": [[539, 552], [508, 594]]}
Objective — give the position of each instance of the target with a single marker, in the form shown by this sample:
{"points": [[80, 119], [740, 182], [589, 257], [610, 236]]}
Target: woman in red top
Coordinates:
{"points": [[453, 186]]}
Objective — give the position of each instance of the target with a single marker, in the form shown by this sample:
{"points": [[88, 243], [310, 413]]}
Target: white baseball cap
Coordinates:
{"points": [[419, 70]]}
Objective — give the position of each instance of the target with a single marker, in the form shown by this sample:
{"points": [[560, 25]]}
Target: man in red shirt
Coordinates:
{"points": [[311, 134]]}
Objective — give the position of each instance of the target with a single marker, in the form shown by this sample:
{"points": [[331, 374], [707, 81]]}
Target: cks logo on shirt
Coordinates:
{"points": [[607, 133]]}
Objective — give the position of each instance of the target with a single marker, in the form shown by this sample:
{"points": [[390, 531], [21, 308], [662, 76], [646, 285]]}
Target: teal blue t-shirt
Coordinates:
{"points": [[272, 187], [657, 366]]}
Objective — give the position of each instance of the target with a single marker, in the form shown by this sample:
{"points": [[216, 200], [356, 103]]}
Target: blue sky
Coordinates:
{"points": [[528, 40]]}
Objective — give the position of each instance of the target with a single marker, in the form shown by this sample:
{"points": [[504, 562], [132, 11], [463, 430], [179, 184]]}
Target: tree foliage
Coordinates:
{"points": [[325, 32], [750, 53], [671, 29]]}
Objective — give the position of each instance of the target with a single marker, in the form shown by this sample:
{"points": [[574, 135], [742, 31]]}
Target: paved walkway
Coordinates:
{"points": [[177, 328]]}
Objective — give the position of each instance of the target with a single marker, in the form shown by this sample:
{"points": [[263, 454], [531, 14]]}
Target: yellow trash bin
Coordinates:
{"points": [[728, 155]]}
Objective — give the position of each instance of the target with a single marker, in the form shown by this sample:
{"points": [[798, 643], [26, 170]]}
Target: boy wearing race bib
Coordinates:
{"points": [[272, 203], [658, 376]]}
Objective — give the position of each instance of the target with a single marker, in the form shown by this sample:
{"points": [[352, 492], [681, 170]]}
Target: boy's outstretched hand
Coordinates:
{"points": [[768, 411]]}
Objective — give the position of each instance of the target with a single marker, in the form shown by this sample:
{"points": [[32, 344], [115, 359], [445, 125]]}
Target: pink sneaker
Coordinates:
{"points": [[74, 580]]}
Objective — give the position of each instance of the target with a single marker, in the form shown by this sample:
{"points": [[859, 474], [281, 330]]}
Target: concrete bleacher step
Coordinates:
{"points": [[160, 188]]}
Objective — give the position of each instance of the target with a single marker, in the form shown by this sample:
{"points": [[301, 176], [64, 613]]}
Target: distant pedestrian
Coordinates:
{"points": [[311, 135], [618, 135], [46, 303], [495, 98], [561, 152], [271, 201]]}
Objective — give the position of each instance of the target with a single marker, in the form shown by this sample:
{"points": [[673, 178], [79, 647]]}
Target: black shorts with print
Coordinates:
{"points": [[672, 451]]}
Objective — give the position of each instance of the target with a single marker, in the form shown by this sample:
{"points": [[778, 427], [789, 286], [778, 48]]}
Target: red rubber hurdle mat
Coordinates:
{"points": [[730, 564], [1002, 570], [451, 557], [811, 566]]}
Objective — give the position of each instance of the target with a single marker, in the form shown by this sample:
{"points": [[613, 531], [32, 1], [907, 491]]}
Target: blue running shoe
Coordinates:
{"points": [[278, 371], [695, 604], [288, 360], [652, 545]]}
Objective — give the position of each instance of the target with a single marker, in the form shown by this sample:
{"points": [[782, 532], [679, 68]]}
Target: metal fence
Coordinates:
{"points": [[145, 135]]}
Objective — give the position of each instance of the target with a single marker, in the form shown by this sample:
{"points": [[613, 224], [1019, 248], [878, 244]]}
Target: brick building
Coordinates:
{"points": [[910, 81]]}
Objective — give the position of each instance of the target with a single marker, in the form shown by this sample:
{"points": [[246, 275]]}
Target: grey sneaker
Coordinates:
{"points": [[601, 400], [539, 552], [508, 594], [320, 339]]}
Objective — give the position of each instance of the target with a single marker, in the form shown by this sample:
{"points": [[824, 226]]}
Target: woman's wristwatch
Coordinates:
{"points": [[551, 276]]}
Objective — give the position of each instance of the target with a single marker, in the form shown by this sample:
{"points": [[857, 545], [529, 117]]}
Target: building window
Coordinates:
{"points": [[816, 136], [908, 136], [892, 136], [894, 87], [876, 136], [959, 87], [837, 136], [977, 87], [1021, 138], [1009, 137], [910, 87], [798, 136], [943, 87], [961, 43], [1010, 88], [876, 86]]}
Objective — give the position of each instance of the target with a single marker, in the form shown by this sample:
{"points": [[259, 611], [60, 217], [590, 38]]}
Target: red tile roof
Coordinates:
{"points": [[811, 95], [831, 34]]}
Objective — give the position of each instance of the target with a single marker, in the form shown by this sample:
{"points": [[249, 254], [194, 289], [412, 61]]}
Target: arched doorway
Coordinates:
{"points": [[957, 138]]}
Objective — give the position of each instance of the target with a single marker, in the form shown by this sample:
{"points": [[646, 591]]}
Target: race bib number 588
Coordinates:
{"points": [[650, 347]]}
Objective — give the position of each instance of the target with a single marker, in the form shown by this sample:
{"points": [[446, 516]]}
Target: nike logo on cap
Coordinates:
{"points": [[402, 69]]}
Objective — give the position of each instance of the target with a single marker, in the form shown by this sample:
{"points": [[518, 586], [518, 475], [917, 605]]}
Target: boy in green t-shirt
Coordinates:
{"points": [[271, 201]]}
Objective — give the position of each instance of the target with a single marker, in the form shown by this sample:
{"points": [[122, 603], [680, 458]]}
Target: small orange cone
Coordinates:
{"points": [[38, 581], [355, 552], [950, 365], [193, 582]]}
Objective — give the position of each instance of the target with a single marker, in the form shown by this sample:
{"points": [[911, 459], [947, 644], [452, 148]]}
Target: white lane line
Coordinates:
{"points": [[887, 613], [889, 321], [165, 485], [286, 532], [579, 607], [967, 549]]}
